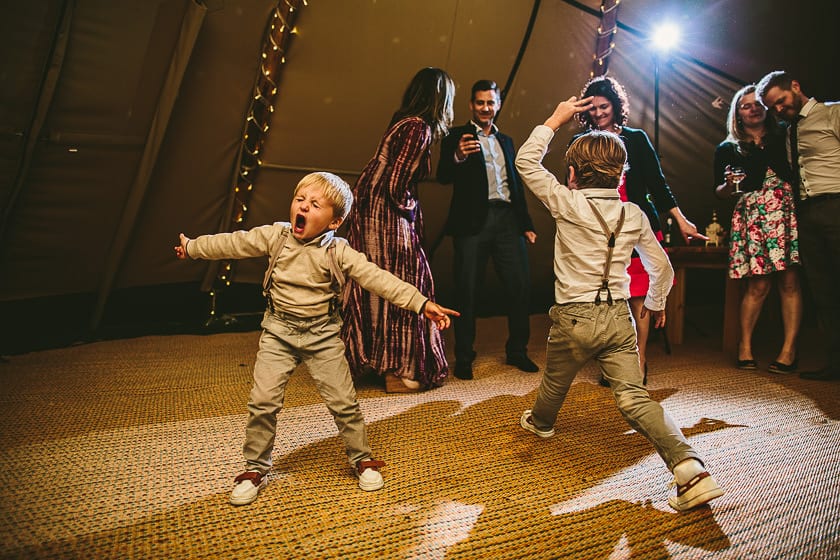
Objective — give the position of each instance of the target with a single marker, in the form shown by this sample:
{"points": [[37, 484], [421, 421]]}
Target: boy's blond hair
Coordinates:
{"points": [[335, 188], [599, 158]]}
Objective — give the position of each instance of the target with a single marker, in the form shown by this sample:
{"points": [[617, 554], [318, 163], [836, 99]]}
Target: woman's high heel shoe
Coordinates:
{"points": [[779, 367]]}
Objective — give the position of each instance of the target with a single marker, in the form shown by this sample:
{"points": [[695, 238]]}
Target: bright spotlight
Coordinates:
{"points": [[666, 37]]}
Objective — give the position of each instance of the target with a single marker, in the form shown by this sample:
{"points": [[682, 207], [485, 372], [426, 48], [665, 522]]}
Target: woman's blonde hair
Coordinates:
{"points": [[336, 190], [735, 132], [598, 158]]}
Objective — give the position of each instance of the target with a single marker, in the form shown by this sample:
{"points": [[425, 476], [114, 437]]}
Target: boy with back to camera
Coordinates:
{"points": [[595, 237], [307, 264]]}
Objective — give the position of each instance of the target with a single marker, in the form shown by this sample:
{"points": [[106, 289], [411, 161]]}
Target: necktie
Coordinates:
{"points": [[794, 157]]}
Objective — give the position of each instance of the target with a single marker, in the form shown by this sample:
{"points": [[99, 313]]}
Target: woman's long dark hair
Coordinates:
{"points": [[608, 87], [429, 95]]}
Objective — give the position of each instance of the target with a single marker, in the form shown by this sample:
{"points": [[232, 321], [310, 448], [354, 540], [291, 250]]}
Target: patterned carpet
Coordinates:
{"points": [[128, 448]]}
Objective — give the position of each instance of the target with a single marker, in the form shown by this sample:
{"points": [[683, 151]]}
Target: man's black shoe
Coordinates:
{"points": [[523, 362], [463, 370], [820, 375]]}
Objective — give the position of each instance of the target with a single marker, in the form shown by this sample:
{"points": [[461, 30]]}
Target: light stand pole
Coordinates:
{"points": [[664, 38], [656, 103]]}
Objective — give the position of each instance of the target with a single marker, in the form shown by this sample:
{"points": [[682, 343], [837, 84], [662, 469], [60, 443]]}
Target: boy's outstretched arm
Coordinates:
{"points": [[181, 250], [438, 314]]}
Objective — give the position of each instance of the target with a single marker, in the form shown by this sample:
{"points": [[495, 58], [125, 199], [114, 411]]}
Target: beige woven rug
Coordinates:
{"points": [[127, 449]]}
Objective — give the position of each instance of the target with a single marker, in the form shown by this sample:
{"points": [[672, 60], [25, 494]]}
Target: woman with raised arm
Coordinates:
{"points": [[643, 184]]}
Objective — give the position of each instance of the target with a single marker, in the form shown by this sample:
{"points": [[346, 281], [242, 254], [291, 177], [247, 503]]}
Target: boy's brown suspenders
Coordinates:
{"points": [[610, 235]]}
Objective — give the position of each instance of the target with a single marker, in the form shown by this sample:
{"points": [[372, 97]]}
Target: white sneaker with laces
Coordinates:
{"points": [[698, 491]]}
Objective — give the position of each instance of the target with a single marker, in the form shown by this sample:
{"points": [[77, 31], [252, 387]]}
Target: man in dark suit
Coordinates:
{"points": [[488, 217]]}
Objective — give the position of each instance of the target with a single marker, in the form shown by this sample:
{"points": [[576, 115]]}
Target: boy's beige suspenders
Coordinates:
{"points": [[337, 278], [610, 235], [337, 281], [272, 262]]}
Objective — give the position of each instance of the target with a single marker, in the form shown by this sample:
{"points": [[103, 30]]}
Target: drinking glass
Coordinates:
{"points": [[737, 174]]}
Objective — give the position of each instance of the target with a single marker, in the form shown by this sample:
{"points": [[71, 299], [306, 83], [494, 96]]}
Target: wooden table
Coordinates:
{"points": [[683, 258]]}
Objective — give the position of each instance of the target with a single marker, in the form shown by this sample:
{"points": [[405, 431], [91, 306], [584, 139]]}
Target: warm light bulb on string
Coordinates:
{"points": [[606, 29], [279, 29]]}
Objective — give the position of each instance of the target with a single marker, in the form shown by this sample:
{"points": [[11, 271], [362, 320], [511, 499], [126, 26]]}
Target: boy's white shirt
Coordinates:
{"points": [[580, 246]]}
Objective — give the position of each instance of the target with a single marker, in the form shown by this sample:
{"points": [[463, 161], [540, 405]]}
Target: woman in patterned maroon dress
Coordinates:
{"points": [[387, 225]]}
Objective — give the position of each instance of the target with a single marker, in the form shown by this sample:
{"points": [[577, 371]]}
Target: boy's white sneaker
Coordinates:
{"points": [[370, 478], [527, 422], [247, 487], [698, 491]]}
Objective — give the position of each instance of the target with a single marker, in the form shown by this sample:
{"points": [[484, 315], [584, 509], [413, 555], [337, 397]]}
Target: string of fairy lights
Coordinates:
{"points": [[605, 42], [278, 36]]}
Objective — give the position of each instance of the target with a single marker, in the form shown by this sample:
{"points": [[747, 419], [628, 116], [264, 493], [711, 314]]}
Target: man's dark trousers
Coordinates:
{"points": [[500, 239]]}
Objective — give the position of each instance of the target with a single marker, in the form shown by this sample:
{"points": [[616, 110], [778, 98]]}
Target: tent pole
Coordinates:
{"points": [[45, 97], [190, 27]]}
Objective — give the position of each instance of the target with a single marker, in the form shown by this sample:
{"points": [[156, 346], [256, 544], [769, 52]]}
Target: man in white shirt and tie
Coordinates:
{"points": [[814, 145]]}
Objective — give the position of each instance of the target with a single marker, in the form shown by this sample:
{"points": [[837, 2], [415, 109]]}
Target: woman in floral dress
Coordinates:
{"points": [[387, 225], [763, 241]]}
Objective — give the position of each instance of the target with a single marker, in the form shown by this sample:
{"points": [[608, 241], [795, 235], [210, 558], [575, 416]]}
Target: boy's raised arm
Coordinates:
{"points": [[529, 158], [565, 110]]}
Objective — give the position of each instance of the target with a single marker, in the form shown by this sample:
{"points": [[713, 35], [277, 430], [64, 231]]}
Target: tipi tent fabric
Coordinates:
{"points": [[122, 122]]}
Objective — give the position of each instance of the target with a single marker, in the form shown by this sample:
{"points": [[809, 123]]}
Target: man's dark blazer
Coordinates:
{"points": [[468, 209]]}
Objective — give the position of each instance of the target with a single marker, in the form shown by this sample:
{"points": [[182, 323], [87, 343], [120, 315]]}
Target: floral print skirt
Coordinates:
{"points": [[764, 237]]}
